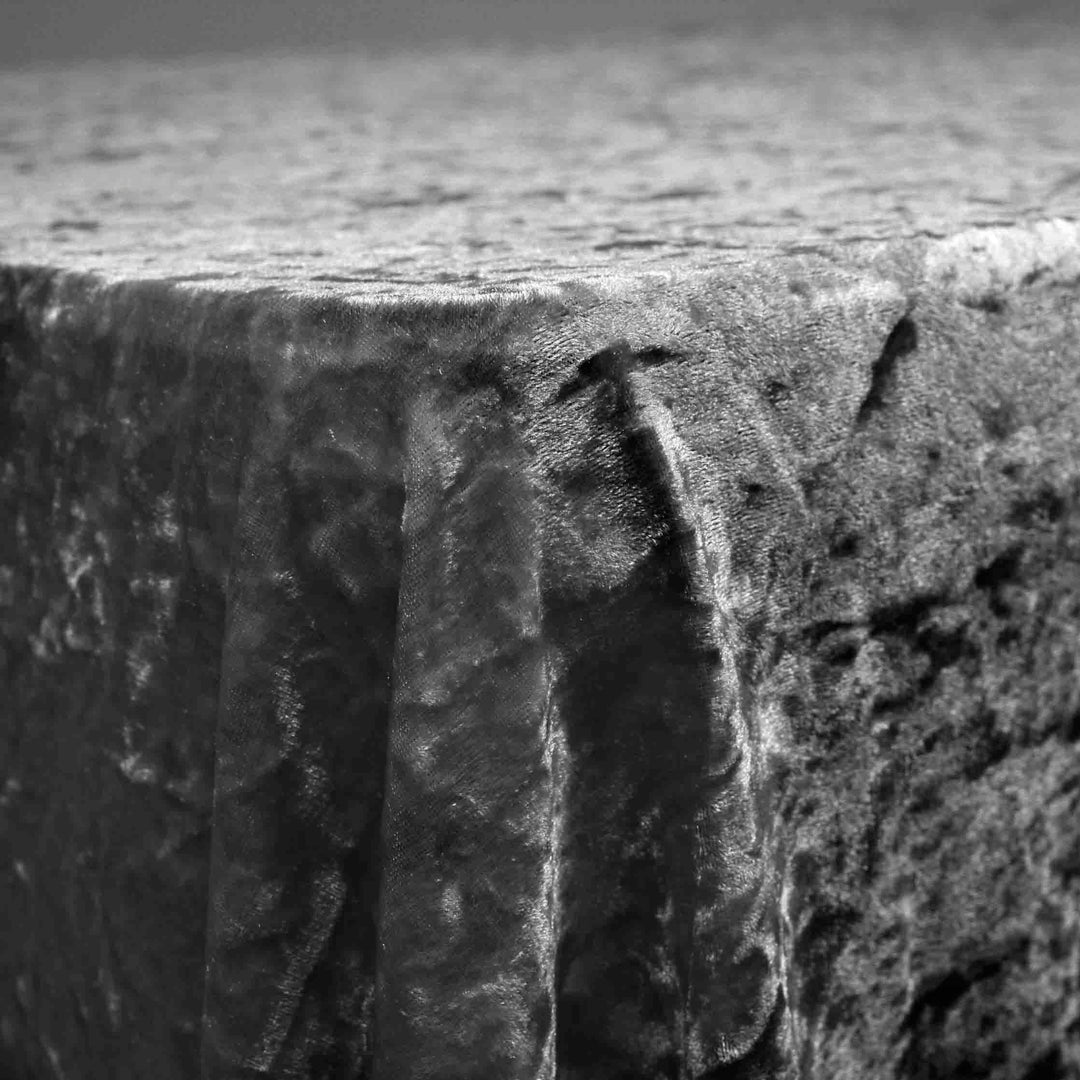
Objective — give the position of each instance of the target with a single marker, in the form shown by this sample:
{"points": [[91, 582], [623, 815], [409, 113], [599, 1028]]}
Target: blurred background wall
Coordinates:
{"points": [[32, 31]]}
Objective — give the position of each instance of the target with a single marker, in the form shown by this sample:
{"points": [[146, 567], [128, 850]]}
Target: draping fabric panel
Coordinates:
{"points": [[498, 587], [123, 424]]}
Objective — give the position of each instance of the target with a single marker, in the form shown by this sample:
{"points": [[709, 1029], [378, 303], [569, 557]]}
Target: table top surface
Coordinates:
{"points": [[482, 168]]}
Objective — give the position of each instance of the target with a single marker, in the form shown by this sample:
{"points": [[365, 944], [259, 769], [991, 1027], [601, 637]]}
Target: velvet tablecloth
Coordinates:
{"points": [[545, 562], [514, 687]]}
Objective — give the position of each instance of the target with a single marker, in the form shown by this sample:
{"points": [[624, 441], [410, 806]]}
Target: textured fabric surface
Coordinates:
{"points": [[557, 857], [675, 679], [370, 173], [550, 563]]}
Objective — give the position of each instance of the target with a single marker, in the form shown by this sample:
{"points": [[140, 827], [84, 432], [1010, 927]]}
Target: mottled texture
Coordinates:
{"points": [[601, 666], [661, 682], [369, 173], [117, 513]]}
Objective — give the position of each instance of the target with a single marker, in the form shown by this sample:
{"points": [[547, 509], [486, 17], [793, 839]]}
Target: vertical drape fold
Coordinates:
{"points": [[465, 930], [666, 961], [302, 729]]}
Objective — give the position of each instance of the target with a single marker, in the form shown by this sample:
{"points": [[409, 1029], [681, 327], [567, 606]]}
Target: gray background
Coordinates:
{"points": [[32, 31]]}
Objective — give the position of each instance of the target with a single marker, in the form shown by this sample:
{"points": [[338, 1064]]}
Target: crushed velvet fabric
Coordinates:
{"points": [[446, 609], [405, 691], [488, 798]]}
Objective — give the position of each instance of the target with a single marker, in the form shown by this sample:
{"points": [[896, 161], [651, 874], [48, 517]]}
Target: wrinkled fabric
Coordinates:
{"points": [[494, 748]]}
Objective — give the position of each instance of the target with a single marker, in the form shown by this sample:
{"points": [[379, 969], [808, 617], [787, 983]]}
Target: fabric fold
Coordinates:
{"points": [[466, 943], [302, 734], [667, 954]]}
